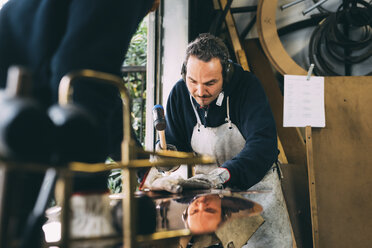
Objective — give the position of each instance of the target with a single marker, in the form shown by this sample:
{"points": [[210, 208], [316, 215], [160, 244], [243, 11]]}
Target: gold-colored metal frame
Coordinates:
{"points": [[128, 164]]}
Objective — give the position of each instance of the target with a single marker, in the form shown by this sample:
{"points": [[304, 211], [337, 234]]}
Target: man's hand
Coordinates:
{"points": [[214, 179], [158, 181]]}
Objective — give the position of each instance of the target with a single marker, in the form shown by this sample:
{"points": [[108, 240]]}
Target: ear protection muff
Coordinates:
{"points": [[227, 74]]}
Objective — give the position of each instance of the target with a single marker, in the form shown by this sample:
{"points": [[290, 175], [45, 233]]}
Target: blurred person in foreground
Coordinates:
{"points": [[53, 38]]}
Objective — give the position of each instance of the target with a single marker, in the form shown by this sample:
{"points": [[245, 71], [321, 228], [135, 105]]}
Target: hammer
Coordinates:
{"points": [[159, 124]]}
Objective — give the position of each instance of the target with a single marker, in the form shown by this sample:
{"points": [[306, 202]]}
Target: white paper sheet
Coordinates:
{"points": [[303, 101]]}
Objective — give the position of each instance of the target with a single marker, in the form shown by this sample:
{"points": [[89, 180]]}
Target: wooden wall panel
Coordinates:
{"points": [[342, 163]]}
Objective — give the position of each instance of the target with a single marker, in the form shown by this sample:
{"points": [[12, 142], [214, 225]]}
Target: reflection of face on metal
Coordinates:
{"points": [[207, 212], [204, 79], [204, 214]]}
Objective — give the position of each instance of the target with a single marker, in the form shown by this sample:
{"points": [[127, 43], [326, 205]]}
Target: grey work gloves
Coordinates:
{"points": [[213, 179], [157, 181]]}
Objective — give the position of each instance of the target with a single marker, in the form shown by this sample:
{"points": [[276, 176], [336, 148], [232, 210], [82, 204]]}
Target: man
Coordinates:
{"points": [[221, 110]]}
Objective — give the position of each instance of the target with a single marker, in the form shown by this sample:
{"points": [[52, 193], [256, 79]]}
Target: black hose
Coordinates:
{"points": [[331, 42]]}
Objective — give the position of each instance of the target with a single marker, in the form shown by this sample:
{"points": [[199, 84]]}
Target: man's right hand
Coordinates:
{"points": [[213, 179], [157, 181]]}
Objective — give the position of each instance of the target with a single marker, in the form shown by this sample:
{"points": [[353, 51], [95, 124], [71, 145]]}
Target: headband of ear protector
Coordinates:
{"points": [[228, 72]]}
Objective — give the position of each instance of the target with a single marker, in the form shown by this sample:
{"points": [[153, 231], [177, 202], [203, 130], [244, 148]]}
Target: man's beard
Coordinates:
{"points": [[202, 100]]}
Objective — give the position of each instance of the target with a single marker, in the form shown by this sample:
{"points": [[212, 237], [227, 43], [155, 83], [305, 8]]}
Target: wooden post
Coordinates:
{"points": [[312, 190]]}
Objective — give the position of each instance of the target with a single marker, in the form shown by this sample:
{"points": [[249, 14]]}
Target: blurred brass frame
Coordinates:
{"points": [[127, 164]]}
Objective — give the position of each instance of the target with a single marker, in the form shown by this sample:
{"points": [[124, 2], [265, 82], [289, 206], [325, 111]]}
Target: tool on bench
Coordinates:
{"points": [[160, 125]]}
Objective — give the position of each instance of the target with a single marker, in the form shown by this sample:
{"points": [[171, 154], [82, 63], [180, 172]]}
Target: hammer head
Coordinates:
{"points": [[158, 117]]}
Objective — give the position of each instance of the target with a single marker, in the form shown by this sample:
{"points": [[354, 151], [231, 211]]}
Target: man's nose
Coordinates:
{"points": [[201, 90]]}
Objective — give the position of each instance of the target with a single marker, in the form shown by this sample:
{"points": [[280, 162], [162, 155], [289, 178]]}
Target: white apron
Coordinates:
{"points": [[224, 143]]}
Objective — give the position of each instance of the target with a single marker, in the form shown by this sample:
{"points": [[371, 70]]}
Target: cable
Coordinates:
{"points": [[334, 41]]}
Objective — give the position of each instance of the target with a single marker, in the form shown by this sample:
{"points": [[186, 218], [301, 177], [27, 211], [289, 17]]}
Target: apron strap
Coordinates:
{"points": [[228, 112], [196, 113]]}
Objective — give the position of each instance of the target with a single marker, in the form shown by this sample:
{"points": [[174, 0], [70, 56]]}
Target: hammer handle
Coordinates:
{"points": [[163, 143]]}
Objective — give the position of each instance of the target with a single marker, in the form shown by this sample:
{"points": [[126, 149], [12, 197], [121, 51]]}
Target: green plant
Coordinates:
{"points": [[136, 80], [136, 54], [114, 181]]}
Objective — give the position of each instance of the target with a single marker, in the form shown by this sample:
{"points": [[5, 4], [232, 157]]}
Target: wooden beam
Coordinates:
{"points": [[313, 202], [234, 36], [271, 44]]}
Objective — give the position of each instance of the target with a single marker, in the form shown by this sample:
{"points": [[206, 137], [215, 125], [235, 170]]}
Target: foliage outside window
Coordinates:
{"points": [[135, 60]]}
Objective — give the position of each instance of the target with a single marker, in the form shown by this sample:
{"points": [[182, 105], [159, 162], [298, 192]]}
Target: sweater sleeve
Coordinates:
{"points": [[257, 125]]}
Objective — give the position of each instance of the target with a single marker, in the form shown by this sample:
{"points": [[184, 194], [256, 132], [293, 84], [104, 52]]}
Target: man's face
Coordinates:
{"points": [[204, 214], [204, 79]]}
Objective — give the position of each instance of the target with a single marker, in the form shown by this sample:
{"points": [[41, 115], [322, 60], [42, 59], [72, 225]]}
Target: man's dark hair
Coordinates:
{"points": [[205, 47]]}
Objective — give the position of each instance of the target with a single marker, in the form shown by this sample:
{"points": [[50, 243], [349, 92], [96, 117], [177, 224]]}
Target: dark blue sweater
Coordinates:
{"points": [[249, 111]]}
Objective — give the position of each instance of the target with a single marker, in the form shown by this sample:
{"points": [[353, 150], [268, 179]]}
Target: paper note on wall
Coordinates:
{"points": [[303, 101]]}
